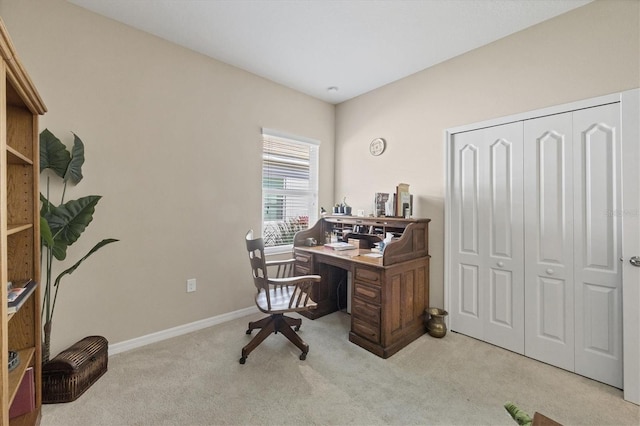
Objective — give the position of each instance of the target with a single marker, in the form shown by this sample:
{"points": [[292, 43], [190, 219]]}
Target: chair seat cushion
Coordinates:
{"points": [[280, 298]]}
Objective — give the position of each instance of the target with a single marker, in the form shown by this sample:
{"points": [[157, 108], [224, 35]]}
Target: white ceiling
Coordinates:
{"points": [[311, 45]]}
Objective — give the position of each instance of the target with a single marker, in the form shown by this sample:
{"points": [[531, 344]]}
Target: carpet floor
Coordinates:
{"points": [[195, 379]]}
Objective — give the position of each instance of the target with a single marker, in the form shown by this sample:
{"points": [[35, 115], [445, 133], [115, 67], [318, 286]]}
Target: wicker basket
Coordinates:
{"points": [[74, 370]]}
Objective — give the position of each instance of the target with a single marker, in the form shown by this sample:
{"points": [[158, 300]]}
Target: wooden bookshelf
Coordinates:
{"points": [[20, 107]]}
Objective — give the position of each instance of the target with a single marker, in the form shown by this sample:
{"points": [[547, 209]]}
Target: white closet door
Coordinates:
{"points": [[487, 246], [467, 255], [567, 230], [598, 244], [548, 207], [573, 245]]}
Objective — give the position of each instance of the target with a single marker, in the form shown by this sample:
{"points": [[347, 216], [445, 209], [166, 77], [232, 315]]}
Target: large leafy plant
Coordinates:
{"points": [[62, 225]]}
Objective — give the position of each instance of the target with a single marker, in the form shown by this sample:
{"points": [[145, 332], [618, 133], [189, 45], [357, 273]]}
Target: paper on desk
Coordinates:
{"points": [[373, 255]]}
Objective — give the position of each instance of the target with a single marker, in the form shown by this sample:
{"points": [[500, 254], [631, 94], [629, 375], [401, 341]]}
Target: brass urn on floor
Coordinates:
{"points": [[435, 323]]}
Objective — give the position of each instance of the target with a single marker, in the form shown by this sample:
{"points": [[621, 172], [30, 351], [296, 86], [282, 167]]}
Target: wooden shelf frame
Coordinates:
{"points": [[20, 107]]}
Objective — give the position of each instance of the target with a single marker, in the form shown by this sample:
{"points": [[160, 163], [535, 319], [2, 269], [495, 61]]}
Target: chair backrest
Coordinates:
{"points": [[255, 247], [283, 268]]}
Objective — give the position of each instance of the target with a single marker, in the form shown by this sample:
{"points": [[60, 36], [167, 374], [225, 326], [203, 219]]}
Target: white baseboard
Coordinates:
{"points": [[127, 345]]}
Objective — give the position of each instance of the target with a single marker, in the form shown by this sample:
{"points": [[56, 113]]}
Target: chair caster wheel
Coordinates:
{"points": [[303, 356], [243, 360], [248, 331], [297, 328]]}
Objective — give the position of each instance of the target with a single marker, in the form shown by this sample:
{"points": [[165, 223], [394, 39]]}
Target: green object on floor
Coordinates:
{"points": [[522, 418]]}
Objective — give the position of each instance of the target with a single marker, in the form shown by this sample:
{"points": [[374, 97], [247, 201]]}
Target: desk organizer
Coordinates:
{"points": [[74, 370]]}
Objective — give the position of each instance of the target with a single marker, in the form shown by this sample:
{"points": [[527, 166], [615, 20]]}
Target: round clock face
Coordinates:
{"points": [[377, 146]]}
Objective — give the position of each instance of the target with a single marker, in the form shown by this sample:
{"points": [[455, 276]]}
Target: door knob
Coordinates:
{"points": [[635, 261], [501, 264], [549, 271]]}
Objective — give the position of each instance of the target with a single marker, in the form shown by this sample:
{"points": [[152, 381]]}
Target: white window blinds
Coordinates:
{"points": [[289, 186]]}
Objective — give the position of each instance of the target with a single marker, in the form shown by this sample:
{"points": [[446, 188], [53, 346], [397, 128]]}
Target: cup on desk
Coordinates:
{"points": [[311, 242]]}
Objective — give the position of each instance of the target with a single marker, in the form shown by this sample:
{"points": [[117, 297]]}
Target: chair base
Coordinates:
{"points": [[273, 324]]}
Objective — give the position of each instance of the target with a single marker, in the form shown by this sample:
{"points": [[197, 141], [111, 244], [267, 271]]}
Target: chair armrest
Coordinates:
{"points": [[295, 280]]}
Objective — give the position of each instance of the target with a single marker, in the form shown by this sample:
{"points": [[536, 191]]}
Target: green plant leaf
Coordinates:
{"points": [[45, 233], [53, 154], [74, 170], [93, 250], [44, 205], [68, 221], [68, 271]]}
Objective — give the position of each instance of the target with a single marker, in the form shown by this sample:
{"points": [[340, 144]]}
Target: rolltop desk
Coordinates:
{"points": [[389, 294]]}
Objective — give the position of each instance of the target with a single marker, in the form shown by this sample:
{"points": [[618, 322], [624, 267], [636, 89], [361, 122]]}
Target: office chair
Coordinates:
{"points": [[277, 296]]}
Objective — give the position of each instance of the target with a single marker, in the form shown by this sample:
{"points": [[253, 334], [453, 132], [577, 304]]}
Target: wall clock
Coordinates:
{"points": [[377, 146]]}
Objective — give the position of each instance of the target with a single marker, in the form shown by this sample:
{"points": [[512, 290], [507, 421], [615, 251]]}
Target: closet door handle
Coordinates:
{"points": [[549, 271], [500, 264], [635, 261]]}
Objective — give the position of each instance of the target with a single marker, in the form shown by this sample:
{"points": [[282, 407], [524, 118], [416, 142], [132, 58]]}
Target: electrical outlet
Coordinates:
{"points": [[191, 285]]}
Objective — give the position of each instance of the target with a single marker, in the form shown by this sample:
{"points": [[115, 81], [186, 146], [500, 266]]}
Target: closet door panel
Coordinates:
{"points": [[552, 321], [504, 296], [469, 199], [469, 288], [549, 324], [552, 192], [487, 302], [501, 308], [467, 262], [598, 244], [501, 196]]}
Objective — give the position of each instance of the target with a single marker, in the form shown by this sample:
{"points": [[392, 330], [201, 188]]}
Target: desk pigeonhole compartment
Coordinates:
{"points": [[74, 370]]}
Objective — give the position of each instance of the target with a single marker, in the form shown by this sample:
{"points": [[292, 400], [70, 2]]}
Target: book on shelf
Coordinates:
{"points": [[24, 401], [384, 204], [340, 246], [380, 204], [18, 294], [403, 201]]}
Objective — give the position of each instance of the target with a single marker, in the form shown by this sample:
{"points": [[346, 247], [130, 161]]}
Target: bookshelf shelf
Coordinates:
{"points": [[15, 157], [14, 229], [16, 375]]}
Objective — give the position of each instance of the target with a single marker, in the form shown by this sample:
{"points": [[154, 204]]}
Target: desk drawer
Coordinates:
{"points": [[303, 264], [365, 312], [365, 330], [301, 270], [366, 292], [370, 275], [303, 259]]}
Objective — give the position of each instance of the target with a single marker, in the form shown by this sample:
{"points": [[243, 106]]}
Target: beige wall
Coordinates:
{"points": [[172, 141], [591, 51], [173, 145]]}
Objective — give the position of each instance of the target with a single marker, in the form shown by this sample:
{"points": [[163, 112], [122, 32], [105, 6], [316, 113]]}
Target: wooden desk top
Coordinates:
{"points": [[355, 255]]}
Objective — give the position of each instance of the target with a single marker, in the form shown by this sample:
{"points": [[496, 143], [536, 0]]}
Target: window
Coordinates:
{"points": [[289, 187]]}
